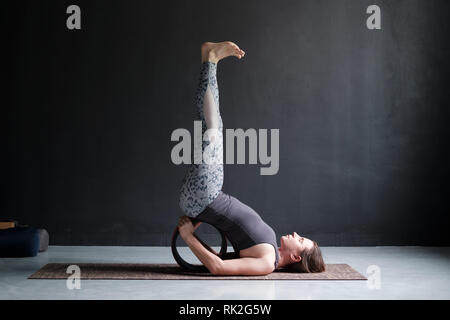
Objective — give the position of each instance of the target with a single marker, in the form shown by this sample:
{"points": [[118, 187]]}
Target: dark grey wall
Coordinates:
{"points": [[363, 117]]}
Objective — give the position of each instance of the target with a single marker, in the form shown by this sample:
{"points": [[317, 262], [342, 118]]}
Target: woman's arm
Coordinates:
{"points": [[210, 260], [246, 266], [217, 266], [206, 246]]}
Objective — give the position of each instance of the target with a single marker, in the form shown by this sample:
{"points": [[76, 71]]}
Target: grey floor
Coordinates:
{"points": [[393, 272]]}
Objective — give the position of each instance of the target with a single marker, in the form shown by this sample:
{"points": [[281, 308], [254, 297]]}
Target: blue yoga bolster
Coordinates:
{"points": [[19, 242]]}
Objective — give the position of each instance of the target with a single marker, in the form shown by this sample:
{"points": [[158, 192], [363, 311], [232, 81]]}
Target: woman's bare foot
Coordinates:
{"points": [[216, 51]]}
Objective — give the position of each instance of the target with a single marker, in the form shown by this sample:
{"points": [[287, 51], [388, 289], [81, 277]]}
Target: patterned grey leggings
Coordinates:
{"points": [[203, 181]]}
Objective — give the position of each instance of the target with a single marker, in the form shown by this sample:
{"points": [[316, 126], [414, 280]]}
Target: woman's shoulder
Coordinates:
{"points": [[263, 251]]}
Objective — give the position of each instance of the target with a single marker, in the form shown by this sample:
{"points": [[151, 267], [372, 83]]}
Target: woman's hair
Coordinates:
{"points": [[312, 261]]}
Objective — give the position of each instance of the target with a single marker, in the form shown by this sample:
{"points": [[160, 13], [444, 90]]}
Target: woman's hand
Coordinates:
{"points": [[186, 228]]}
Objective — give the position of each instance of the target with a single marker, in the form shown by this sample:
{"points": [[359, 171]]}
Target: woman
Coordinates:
{"points": [[202, 198]]}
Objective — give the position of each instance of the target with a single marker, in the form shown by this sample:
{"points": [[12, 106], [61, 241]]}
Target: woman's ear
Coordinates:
{"points": [[295, 258]]}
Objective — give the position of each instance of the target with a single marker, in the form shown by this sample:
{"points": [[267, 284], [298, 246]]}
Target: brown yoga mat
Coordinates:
{"points": [[134, 271]]}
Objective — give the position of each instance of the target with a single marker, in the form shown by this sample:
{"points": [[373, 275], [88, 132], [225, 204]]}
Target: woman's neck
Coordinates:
{"points": [[284, 260]]}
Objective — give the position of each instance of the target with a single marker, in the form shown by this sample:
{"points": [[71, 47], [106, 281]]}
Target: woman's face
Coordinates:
{"points": [[293, 243]]}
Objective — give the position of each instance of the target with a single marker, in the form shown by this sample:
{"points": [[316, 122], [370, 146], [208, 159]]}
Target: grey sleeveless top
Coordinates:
{"points": [[240, 223]]}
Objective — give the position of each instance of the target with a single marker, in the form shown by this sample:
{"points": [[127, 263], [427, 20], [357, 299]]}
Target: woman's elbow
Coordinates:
{"points": [[216, 268]]}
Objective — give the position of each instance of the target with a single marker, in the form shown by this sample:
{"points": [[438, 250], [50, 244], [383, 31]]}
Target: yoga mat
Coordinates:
{"points": [[134, 271]]}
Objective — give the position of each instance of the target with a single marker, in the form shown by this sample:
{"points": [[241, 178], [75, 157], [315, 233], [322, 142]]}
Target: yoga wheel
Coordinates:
{"points": [[193, 267]]}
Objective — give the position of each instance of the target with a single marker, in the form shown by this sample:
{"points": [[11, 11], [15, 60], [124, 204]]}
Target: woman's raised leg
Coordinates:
{"points": [[204, 179]]}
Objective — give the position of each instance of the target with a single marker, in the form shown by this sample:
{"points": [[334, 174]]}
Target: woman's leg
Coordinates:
{"points": [[208, 90], [204, 180], [207, 96]]}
